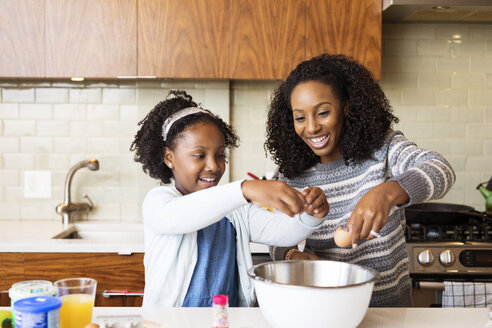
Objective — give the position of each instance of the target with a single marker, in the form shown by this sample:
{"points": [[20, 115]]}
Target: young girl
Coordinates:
{"points": [[197, 234], [329, 125]]}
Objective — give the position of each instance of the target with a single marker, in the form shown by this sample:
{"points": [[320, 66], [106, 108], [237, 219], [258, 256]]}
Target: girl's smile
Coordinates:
{"points": [[198, 159], [318, 118]]}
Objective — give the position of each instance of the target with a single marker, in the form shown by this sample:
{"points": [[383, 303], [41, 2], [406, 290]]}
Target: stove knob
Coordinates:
{"points": [[446, 258], [425, 258]]}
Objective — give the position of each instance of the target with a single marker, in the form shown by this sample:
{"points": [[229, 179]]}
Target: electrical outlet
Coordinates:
{"points": [[37, 184]]}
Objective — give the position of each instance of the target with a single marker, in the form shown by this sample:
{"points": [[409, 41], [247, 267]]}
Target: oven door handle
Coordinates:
{"points": [[429, 285]]}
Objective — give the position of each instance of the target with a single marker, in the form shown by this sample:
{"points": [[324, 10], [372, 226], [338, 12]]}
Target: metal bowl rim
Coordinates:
{"points": [[252, 275]]}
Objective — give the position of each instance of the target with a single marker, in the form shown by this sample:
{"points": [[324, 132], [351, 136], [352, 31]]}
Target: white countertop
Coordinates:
{"points": [[37, 236], [252, 317]]}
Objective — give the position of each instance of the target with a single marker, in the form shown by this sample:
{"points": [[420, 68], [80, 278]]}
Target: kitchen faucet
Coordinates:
{"points": [[67, 208]]}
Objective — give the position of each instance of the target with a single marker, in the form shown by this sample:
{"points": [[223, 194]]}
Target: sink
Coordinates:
{"points": [[126, 232]]}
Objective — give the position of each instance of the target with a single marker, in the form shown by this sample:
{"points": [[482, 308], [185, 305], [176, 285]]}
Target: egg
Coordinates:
{"points": [[92, 325], [342, 237]]}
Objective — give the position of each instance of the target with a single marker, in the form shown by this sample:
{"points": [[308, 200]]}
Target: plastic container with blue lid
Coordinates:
{"points": [[38, 311]]}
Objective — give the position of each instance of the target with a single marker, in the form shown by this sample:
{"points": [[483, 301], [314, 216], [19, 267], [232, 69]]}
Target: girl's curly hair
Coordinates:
{"points": [[367, 123], [149, 143]]}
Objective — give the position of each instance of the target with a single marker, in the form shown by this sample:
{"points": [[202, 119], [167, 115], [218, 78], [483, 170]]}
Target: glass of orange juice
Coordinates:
{"points": [[77, 295]]}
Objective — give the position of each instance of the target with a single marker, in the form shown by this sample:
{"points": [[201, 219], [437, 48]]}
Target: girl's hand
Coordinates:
{"points": [[303, 256], [276, 194], [316, 202], [372, 211]]}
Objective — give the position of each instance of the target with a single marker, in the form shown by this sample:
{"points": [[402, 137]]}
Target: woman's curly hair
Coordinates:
{"points": [[368, 121], [149, 143]]}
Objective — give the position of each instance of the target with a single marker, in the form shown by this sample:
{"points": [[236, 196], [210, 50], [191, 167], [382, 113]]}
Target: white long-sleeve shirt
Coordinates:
{"points": [[171, 222]]}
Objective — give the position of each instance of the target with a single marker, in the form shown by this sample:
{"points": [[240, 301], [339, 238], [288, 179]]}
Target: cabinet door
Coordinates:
{"points": [[267, 38], [22, 38], [91, 38], [111, 271], [351, 27], [11, 271], [183, 38]]}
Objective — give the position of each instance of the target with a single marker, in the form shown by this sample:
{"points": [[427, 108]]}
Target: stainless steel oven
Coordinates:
{"points": [[447, 250]]}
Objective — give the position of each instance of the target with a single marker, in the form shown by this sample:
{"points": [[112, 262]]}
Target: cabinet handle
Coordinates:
{"points": [[430, 285], [124, 292]]}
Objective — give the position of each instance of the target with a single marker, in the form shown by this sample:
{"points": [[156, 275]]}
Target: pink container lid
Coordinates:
{"points": [[221, 300]]}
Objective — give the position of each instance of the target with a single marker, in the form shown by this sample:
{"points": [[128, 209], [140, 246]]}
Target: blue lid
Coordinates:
{"points": [[37, 304]]}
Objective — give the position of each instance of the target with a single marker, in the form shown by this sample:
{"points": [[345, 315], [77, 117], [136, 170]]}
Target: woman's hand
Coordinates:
{"points": [[372, 211], [276, 194], [316, 203], [303, 256]]}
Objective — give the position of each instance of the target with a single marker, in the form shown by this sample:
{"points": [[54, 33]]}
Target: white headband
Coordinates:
{"points": [[166, 126]]}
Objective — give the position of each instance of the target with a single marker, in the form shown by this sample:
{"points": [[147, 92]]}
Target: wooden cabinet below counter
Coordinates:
{"points": [[113, 272]]}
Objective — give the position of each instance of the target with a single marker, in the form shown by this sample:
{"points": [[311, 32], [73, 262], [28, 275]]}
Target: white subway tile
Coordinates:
{"points": [[36, 144], [458, 162], [391, 64], [417, 97], [110, 212], [9, 111], [441, 146], [454, 196], [18, 95], [393, 95], [9, 178], [478, 163], [68, 144], [211, 84], [51, 95], [127, 84], [407, 113], [488, 49], [467, 114], [448, 130], [488, 115], [250, 97], [453, 31], [451, 97], [466, 147], [37, 212], [433, 47], [434, 80], [129, 113], [119, 129], [480, 65], [468, 81], [119, 96], [19, 128], [468, 48], [14, 194], [479, 131], [480, 97], [103, 145], [51, 161], [409, 31], [151, 84], [9, 144], [131, 212], [9, 211], [419, 64], [102, 85], [433, 114], [151, 97], [487, 147], [400, 80], [178, 84], [17, 161], [86, 128], [69, 111], [481, 31], [458, 64], [416, 130], [489, 81], [53, 128], [36, 111], [218, 100], [103, 112], [399, 47], [85, 96]]}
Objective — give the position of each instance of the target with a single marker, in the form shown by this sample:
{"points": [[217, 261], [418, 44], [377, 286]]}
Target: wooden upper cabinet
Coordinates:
{"points": [[91, 38], [267, 38], [183, 38], [351, 27], [22, 38]]}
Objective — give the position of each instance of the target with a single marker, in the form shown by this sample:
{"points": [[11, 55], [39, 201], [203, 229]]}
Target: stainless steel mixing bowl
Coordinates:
{"points": [[313, 293]]}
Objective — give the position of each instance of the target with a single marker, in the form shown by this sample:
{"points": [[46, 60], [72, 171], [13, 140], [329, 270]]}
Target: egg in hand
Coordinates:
{"points": [[342, 237]]}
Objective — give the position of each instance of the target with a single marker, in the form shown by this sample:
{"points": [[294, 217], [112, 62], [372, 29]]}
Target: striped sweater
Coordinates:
{"points": [[424, 175]]}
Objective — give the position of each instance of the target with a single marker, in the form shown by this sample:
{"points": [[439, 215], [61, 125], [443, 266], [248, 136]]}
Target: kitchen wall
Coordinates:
{"points": [[440, 86]]}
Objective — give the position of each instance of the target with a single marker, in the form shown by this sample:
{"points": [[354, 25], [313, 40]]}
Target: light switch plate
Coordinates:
{"points": [[37, 184]]}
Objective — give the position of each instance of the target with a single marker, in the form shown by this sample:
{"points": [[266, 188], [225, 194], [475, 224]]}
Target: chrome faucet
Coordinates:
{"points": [[67, 208]]}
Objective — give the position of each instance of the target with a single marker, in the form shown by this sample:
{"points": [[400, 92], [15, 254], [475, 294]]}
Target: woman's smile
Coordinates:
{"points": [[319, 141]]}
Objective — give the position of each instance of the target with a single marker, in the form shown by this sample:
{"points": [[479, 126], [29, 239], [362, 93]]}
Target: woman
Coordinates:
{"points": [[329, 125]]}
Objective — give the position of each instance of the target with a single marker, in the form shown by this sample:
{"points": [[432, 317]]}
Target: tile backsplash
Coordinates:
{"points": [[438, 78]]}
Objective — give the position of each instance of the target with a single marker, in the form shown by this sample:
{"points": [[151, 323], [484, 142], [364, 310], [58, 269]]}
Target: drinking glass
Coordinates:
{"points": [[77, 295]]}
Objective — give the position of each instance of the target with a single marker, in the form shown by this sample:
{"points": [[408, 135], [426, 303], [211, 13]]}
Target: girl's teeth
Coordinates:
{"points": [[208, 180], [318, 140]]}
